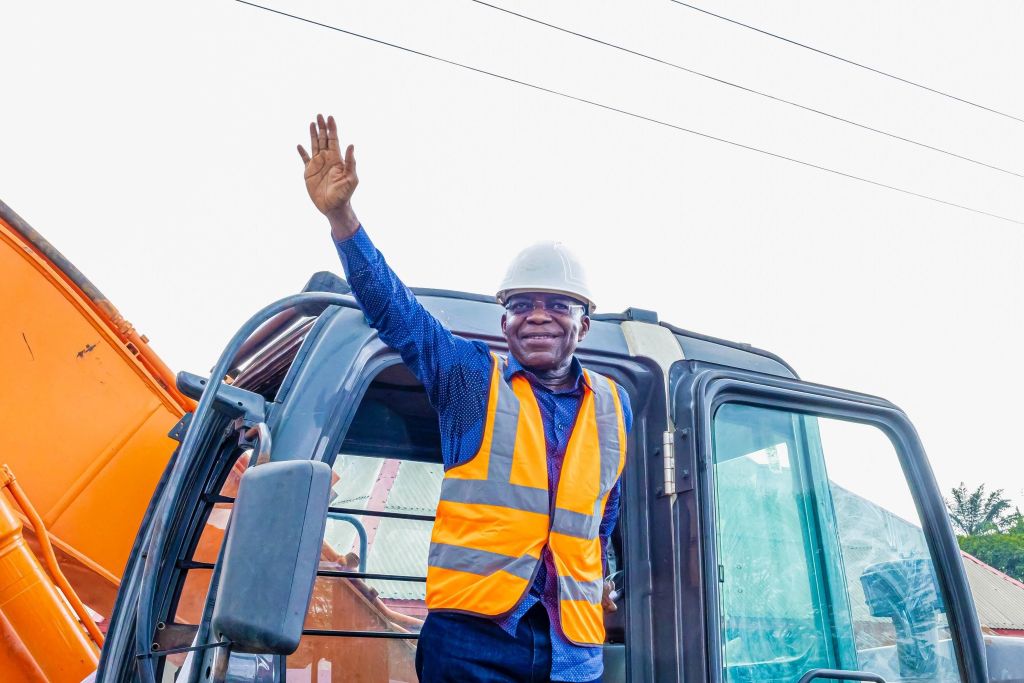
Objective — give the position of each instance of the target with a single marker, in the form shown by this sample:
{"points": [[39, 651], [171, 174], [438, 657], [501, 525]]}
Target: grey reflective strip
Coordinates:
{"points": [[574, 524], [482, 562], [578, 524], [495, 493], [607, 429], [588, 591], [506, 427]]}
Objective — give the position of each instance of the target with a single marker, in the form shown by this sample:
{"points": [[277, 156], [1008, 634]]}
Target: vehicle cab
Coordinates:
{"points": [[771, 529]]}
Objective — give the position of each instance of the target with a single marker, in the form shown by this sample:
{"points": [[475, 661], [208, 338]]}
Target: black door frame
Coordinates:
{"points": [[698, 389]]}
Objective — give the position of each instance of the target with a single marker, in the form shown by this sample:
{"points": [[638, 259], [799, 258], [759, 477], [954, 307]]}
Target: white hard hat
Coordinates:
{"points": [[546, 267]]}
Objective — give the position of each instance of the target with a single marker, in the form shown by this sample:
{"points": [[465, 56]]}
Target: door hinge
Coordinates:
{"points": [[668, 454], [670, 484]]}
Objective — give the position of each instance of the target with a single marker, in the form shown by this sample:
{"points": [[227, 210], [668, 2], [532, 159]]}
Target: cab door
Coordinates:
{"points": [[813, 537]]}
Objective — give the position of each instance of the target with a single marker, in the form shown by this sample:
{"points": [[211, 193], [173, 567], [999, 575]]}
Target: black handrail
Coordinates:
{"points": [[330, 573], [341, 574], [360, 634], [383, 513], [217, 498], [840, 675]]}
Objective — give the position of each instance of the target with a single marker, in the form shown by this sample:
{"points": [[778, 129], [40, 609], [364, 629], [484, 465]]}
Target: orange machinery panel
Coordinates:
{"points": [[85, 408]]}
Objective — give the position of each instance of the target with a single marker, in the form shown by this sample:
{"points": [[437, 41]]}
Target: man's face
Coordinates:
{"points": [[543, 330]]}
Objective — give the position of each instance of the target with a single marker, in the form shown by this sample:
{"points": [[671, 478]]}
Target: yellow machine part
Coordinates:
{"points": [[85, 409], [43, 640]]}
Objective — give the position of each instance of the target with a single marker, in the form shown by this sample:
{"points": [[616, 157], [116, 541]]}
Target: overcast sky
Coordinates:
{"points": [[154, 145]]}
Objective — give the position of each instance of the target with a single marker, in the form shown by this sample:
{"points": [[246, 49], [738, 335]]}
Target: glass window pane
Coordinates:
{"points": [[822, 560], [377, 545], [344, 604], [899, 619], [393, 545], [770, 592], [323, 659]]}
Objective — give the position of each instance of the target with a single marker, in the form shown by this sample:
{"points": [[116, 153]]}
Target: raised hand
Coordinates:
{"points": [[331, 180]]}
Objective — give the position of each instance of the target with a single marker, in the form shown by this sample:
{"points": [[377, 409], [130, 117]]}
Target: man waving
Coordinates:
{"points": [[533, 448]]}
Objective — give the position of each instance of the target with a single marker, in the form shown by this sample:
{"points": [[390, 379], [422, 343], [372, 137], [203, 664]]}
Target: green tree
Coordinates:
{"points": [[1005, 552], [975, 514], [1016, 525]]}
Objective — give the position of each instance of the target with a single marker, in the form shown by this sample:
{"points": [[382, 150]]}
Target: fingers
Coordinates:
{"points": [[321, 131], [332, 134], [323, 136], [350, 158], [314, 141]]}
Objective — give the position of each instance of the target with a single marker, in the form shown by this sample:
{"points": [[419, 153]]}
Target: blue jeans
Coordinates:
{"points": [[459, 648]]}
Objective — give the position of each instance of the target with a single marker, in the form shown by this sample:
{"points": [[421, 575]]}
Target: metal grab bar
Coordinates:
{"points": [[261, 432], [360, 529], [841, 675]]}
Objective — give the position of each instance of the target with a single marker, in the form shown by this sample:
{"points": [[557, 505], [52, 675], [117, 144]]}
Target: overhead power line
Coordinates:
{"points": [[634, 115], [848, 61], [748, 89]]}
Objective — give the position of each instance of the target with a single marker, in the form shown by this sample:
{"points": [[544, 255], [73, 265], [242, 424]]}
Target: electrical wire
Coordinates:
{"points": [[747, 89], [634, 115], [848, 61]]}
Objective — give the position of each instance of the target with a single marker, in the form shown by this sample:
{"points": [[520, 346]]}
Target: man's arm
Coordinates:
{"points": [[444, 362], [437, 357]]}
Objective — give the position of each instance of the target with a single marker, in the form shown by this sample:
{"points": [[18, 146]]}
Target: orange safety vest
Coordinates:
{"points": [[494, 518]]}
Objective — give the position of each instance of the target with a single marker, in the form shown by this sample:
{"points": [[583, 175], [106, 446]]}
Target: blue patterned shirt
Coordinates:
{"points": [[456, 375]]}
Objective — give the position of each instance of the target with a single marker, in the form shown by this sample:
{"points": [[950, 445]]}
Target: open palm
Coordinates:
{"points": [[330, 180]]}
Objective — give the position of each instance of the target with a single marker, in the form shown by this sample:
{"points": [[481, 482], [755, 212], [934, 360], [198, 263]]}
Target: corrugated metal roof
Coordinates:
{"points": [[998, 598], [417, 488], [399, 546], [356, 477]]}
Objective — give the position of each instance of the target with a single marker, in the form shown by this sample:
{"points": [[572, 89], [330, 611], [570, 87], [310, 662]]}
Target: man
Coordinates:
{"points": [[533, 447]]}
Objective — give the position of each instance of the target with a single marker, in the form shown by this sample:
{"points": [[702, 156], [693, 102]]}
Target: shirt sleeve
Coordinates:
{"points": [[442, 361], [611, 508]]}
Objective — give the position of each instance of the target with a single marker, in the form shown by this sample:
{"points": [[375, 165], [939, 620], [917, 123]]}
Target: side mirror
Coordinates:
{"points": [[271, 556]]}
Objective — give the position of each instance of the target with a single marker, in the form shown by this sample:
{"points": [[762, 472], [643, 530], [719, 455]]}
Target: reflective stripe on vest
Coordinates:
{"points": [[493, 518], [583, 489]]}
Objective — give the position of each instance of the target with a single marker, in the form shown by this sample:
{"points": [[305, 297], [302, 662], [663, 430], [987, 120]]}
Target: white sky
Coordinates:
{"points": [[153, 143]]}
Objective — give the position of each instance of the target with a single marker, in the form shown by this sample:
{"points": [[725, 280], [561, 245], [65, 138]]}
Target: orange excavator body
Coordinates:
{"points": [[85, 411]]}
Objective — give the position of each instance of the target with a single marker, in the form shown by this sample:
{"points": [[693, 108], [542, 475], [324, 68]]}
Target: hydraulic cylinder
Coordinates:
{"points": [[47, 633]]}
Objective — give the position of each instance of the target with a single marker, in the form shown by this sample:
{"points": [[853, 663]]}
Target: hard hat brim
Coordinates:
{"points": [[504, 294]]}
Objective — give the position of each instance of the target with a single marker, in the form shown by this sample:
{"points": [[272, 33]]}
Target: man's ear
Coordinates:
{"points": [[584, 327], [504, 325]]}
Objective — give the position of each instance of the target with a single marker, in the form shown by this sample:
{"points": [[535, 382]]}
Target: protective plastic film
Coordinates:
{"points": [[821, 558]]}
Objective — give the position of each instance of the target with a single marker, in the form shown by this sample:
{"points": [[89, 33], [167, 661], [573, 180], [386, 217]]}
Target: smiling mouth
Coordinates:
{"points": [[539, 337]]}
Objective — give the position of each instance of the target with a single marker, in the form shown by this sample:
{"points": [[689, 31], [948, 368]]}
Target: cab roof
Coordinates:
{"points": [[476, 315]]}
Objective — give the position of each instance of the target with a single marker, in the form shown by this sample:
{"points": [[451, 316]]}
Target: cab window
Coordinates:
{"points": [[821, 559], [369, 598]]}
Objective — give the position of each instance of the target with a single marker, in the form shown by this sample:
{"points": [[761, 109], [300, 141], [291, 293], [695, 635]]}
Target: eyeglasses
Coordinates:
{"points": [[559, 308]]}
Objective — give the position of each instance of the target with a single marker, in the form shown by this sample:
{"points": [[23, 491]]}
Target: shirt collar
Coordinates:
{"points": [[513, 366]]}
